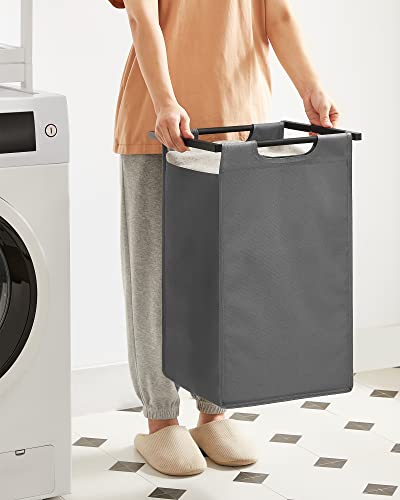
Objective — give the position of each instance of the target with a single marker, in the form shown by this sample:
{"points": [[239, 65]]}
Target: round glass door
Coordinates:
{"points": [[18, 295]]}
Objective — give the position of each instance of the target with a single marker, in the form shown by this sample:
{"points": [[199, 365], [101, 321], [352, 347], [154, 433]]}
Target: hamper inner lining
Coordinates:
{"points": [[209, 162]]}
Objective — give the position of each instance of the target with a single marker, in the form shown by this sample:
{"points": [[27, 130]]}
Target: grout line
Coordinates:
{"points": [[146, 479], [274, 491], [336, 414], [309, 451], [109, 454], [383, 437]]}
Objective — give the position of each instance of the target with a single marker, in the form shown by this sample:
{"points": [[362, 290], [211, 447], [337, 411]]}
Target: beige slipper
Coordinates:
{"points": [[171, 451], [225, 443]]}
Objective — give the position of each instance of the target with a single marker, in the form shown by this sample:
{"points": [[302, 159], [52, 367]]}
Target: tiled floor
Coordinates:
{"points": [[341, 447]]}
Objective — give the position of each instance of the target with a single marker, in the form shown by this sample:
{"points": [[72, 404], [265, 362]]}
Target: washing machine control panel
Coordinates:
{"points": [[33, 129]]}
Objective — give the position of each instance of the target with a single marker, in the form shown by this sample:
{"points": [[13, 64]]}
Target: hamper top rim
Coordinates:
{"points": [[209, 162]]}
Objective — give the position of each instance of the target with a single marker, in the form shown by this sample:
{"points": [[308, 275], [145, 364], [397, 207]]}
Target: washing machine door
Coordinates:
{"points": [[18, 296]]}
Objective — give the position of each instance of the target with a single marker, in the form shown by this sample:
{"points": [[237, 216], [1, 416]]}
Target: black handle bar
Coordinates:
{"points": [[302, 127]]}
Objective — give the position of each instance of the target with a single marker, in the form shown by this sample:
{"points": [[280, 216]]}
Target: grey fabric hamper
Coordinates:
{"points": [[257, 272]]}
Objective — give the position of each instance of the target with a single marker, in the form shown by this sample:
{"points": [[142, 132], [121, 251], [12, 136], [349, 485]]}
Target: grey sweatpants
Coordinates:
{"points": [[141, 253]]}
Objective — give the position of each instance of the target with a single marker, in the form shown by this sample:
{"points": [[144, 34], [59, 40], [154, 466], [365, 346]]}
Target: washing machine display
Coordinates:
{"points": [[18, 295], [17, 132]]}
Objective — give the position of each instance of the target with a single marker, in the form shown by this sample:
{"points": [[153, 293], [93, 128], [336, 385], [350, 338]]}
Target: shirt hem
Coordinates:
{"points": [[137, 149]]}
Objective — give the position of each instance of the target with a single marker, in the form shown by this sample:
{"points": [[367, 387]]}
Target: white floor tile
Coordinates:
{"points": [[110, 424], [87, 462], [111, 486], [92, 478]]}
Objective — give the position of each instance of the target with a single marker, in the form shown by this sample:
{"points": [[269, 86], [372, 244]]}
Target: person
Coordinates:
{"points": [[202, 63]]}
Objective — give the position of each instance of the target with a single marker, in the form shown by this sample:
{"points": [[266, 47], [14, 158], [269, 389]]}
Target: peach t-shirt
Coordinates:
{"points": [[218, 61]]}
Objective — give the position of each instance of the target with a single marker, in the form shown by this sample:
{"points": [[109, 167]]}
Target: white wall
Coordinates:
{"points": [[80, 49], [355, 46]]}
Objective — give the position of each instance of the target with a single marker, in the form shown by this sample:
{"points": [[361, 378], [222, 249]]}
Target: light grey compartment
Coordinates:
{"points": [[27, 473]]}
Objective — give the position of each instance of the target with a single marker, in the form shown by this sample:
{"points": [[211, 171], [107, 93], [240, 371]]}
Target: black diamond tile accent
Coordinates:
{"points": [[170, 493], [247, 417], [381, 393], [380, 489], [359, 426], [127, 466], [315, 405], [331, 463], [251, 477], [396, 448], [285, 438], [138, 409], [89, 442]]}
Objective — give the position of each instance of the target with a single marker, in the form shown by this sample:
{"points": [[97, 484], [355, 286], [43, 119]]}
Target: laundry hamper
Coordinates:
{"points": [[257, 267]]}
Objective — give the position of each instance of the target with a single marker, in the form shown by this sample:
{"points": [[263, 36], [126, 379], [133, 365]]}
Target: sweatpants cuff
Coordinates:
{"points": [[161, 413], [210, 408]]}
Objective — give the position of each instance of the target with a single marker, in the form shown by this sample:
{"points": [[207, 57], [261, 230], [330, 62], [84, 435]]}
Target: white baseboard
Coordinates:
{"points": [[376, 348], [102, 388], [109, 387]]}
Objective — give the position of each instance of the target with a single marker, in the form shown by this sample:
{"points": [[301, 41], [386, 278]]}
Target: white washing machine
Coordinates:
{"points": [[35, 416]]}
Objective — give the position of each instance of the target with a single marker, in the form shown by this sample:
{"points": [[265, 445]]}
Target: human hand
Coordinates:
{"points": [[320, 109], [172, 123]]}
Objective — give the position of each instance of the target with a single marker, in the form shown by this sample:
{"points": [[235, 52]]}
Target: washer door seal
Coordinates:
{"points": [[21, 288]]}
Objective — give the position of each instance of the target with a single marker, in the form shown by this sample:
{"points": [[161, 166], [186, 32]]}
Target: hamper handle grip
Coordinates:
{"points": [[302, 127]]}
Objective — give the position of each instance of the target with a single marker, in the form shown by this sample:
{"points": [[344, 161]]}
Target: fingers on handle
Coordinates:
{"points": [[334, 115], [176, 138], [324, 115], [185, 127], [161, 136], [164, 133], [170, 142]]}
